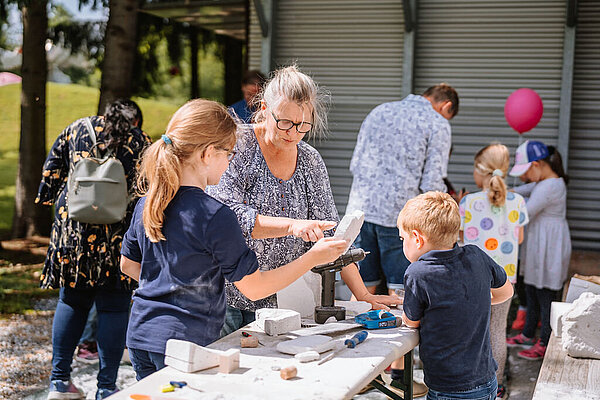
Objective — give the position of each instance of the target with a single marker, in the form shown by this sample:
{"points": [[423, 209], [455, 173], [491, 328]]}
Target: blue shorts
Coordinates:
{"points": [[387, 258], [484, 392]]}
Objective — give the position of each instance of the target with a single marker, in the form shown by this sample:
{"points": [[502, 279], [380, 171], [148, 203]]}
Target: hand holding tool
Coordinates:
{"points": [[348, 343]]}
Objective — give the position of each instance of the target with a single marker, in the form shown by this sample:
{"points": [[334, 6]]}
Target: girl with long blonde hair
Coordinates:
{"points": [[493, 220], [182, 244]]}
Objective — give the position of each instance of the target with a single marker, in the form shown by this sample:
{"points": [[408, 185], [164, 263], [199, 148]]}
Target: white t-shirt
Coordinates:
{"points": [[493, 229]]}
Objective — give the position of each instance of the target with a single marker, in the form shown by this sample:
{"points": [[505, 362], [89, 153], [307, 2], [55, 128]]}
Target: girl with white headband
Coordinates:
{"points": [[493, 219]]}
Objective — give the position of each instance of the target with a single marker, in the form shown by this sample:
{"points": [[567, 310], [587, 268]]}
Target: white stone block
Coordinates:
{"points": [[581, 327], [318, 343], [229, 361], [557, 310], [275, 321], [349, 227], [302, 295], [307, 356], [578, 286], [189, 357]]}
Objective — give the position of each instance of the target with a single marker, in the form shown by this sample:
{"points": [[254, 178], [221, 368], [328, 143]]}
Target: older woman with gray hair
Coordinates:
{"points": [[279, 188]]}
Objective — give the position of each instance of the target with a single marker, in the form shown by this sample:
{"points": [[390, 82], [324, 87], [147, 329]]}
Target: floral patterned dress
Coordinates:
{"points": [[80, 255]]}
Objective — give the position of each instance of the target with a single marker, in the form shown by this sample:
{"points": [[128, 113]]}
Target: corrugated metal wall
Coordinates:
{"points": [[254, 40], [486, 50], [584, 154], [353, 49]]}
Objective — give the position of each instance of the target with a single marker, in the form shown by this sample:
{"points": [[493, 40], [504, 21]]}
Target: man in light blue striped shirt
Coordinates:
{"points": [[402, 150]]}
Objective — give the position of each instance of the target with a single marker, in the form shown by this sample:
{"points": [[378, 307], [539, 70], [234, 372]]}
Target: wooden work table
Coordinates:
{"points": [[567, 378], [340, 378]]}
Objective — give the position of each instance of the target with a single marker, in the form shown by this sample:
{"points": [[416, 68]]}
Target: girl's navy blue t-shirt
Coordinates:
{"points": [[181, 289]]}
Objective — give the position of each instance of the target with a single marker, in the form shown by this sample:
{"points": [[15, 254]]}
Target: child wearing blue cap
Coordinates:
{"points": [[546, 250]]}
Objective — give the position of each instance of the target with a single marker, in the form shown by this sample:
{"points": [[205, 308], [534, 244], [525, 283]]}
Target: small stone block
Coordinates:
{"points": [[307, 356], [189, 357], [250, 341], [276, 321], [288, 372], [349, 227], [229, 361], [167, 388]]}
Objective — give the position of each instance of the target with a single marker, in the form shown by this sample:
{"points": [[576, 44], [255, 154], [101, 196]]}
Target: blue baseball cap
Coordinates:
{"points": [[529, 151]]}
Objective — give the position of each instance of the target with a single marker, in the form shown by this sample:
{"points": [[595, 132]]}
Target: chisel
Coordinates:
{"points": [[348, 343]]}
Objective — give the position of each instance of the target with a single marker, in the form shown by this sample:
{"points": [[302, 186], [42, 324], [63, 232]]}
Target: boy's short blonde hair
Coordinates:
{"points": [[435, 215]]}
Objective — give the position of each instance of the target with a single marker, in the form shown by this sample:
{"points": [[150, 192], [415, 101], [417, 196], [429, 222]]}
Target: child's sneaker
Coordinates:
{"points": [[519, 322], [535, 353], [520, 341], [501, 394], [87, 353], [103, 393], [64, 390]]}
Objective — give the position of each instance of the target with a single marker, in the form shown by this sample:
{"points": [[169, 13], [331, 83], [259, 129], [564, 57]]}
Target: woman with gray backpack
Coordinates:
{"points": [[89, 177]]}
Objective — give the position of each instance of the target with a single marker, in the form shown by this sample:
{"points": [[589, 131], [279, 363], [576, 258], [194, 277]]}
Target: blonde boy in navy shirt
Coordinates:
{"points": [[447, 296]]}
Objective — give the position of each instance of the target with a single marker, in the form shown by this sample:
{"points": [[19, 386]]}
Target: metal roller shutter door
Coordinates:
{"points": [[254, 40], [486, 49], [584, 152], [353, 49]]}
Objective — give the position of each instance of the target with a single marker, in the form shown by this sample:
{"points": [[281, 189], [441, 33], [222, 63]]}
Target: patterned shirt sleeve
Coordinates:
{"points": [[56, 170], [436, 159]]}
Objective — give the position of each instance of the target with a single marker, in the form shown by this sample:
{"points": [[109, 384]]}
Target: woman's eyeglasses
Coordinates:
{"points": [[286, 125]]}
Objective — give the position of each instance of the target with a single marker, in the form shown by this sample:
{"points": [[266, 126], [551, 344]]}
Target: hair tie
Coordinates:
{"points": [[166, 139], [498, 172]]}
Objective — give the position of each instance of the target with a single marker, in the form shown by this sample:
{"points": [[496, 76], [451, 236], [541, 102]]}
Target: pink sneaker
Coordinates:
{"points": [[537, 352], [87, 353], [520, 341], [519, 322]]}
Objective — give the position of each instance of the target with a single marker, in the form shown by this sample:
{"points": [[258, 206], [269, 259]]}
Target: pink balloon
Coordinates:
{"points": [[523, 110]]}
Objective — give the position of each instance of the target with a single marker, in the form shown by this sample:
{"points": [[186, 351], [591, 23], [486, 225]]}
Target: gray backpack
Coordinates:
{"points": [[97, 188]]}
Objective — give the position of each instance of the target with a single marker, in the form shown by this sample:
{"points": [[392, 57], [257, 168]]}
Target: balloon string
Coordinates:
{"points": [[514, 183]]}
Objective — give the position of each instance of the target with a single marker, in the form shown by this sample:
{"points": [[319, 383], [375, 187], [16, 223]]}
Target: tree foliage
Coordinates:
{"points": [[77, 36]]}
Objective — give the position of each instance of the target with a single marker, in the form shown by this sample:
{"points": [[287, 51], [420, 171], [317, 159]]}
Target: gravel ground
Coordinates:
{"points": [[26, 357], [26, 350]]}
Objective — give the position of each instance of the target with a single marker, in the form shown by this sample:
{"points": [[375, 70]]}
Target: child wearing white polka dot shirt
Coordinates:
{"points": [[493, 219]]}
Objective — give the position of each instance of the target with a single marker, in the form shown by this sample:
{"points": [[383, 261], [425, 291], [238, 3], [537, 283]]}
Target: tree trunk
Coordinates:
{"points": [[119, 52], [194, 70], [234, 70], [29, 218]]}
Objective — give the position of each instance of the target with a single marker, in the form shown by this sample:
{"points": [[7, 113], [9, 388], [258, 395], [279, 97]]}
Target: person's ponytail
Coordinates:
{"points": [[554, 160], [497, 191], [159, 180], [494, 160]]}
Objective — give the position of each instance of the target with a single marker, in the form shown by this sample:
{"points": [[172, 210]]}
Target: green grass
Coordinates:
{"points": [[65, 104]]}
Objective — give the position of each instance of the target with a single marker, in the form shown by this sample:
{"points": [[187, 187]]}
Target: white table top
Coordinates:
{"points": [[339, 378]]}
